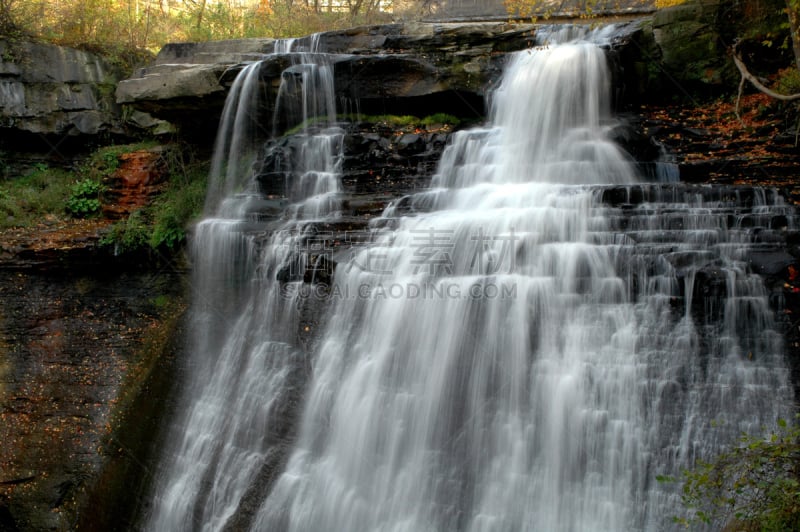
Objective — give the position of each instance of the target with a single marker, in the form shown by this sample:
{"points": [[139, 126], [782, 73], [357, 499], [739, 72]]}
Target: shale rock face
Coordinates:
{"points": [[53, 90]]}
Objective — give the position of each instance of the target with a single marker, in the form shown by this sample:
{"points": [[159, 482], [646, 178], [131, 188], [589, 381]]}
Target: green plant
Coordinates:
{"points": [[129, 233], [161, 301], [163, 223], [84, 199], [441, 118], [180, 203], [752, 487], [102, 162]]}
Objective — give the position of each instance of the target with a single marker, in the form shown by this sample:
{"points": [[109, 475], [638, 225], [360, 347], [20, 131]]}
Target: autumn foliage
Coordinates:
{"points": [[148, 24]]}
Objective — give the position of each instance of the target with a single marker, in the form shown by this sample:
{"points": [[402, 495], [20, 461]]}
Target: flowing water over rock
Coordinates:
{"points": [[525, 345], [247, 371]]}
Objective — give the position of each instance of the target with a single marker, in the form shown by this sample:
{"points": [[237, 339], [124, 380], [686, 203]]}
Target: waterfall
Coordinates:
{"points": [[247, 370], [524, 352]]}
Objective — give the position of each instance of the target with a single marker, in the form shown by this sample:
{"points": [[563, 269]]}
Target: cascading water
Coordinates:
{"points": [[524, 353], [246, 368]]}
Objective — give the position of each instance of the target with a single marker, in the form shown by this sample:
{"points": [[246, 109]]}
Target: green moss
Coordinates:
{"points": [[405, 120], [397, 121], [102, 162], [441, 118], [129, 233], [180, 204]]}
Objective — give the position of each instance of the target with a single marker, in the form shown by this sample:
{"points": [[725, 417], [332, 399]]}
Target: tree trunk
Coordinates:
{"points": [[201, 13], [793, 12]]}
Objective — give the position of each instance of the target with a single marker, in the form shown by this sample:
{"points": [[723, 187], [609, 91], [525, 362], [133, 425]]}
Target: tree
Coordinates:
{"points": [[793, 14], [7, 22]]}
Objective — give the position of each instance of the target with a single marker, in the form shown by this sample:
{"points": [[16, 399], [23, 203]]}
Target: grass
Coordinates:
{"points": [[40, 194], [50, 193]]}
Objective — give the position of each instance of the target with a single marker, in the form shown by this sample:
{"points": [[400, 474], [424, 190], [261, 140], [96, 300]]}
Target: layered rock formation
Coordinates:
{"points": [[53, 90], [398, 68]]}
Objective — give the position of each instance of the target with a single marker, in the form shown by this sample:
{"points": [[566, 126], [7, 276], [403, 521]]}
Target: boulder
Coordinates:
{"points": [[692, 50], [682, 51], [166, 82]]}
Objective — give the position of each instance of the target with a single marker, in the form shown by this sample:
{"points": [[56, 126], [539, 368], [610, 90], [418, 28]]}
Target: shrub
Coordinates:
{"points": [[754, 486], [788, 81], [180, 203], [128, 234]]}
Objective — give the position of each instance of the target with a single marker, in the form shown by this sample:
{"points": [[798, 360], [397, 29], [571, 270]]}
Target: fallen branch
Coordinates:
{"points": [[757, 84]]}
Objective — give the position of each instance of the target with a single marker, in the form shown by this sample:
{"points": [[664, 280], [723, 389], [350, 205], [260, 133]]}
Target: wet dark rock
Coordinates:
{"points": [[641, 147], [385, 76], [135, 182], [770, 263], [71, 350]]}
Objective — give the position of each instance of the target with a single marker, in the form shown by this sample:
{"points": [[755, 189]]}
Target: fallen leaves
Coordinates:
{"points": [[745, 149], [53, 235]]}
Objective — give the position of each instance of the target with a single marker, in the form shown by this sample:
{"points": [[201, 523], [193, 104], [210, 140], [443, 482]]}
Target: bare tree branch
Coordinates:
{"points": [[757, 84]]}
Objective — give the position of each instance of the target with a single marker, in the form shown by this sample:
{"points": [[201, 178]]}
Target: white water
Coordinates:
{"points": [[533, 388], [517, 356], [246, 369]]}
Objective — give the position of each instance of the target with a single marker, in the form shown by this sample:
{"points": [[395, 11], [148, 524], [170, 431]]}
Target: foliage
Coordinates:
{"points": [[752, 487], [122, 28], [163, 223], [84, 198], [544, 9], [788, 81], [181, 203], [668, 3], [129, 233], [441, 118], [28, 200], [102, 162]]}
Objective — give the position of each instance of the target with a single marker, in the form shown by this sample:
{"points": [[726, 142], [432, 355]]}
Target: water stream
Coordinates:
{"points": [[523, 352]]}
